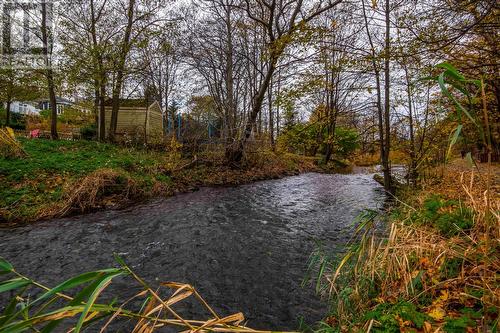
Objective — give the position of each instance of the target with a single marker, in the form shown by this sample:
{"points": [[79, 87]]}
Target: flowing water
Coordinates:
{"points": [[244, 248]]}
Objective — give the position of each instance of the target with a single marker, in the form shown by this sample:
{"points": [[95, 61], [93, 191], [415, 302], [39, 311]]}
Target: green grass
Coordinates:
{"points": [[32, 187], [73, 157], [38, 180]]}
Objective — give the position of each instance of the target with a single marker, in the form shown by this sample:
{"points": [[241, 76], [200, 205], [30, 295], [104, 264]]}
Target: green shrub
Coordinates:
{"points": [[450, 224], [89, 132], [387, 315], [17, 121], [346, 141], [447, 216]]}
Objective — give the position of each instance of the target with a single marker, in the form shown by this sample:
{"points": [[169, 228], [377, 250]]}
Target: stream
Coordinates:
{"points": [[244, 248]]}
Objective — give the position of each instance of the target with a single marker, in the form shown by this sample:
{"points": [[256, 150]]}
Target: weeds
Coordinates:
{"points": [[55, 307], [449, 217], [432, 271], [90, 192], [9, 146]]}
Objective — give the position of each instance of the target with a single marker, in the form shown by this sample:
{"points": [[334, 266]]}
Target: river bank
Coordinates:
{"points": [[437, 267], [62, 178]]}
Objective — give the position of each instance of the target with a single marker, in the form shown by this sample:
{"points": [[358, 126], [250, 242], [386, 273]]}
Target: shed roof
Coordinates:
{"points": [[129, 102]]}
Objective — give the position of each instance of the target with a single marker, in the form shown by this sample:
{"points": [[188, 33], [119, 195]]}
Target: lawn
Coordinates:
{"points": [[59, 178], [39, 180]]}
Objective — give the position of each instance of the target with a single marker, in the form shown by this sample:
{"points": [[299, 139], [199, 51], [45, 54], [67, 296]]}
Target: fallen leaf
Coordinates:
{"points": [[437, 313], [427, 327]]}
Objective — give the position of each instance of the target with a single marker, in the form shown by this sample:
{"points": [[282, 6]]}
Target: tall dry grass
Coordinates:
{"points": [[407, 264], [9, 146]]}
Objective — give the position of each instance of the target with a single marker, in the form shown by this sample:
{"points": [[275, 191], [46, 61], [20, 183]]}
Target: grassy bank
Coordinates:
{"points": [[59, 178], [437, 268]]}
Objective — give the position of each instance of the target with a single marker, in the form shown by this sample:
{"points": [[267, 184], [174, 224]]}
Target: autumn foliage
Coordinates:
{"points": [[436, 269]]}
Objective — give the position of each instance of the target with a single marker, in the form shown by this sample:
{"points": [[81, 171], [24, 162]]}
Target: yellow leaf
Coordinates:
{"points": [[444, 295], [441, 299], [437, 313], [10, 131]]}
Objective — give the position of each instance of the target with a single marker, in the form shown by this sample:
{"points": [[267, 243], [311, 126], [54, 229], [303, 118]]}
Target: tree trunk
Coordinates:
{"points": [[271, 117], [278, 91], [49, 73], [412, 172], [380, 119], [230, 109], [102, 112], [167, 115], [125, 48], [331, 110], [380, 112], [385, 161], [96, 103], [234, 153], [7, 113], [100, 81]]}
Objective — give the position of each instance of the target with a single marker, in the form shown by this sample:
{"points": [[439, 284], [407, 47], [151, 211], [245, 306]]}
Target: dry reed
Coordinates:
{"points": [[9, 146], [91, 192], [411, 253], [158, 311]]}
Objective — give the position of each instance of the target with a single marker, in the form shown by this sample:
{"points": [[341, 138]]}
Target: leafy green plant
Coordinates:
{"points": [[387, 315], [450, 224], [55, 307], [447, 216], [458, 325], [450, 80], [346, 141], [89, 132]]}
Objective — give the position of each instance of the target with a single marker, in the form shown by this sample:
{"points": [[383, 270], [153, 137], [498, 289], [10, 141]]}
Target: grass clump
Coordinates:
{"points": [[449, 217], [9, 146]]}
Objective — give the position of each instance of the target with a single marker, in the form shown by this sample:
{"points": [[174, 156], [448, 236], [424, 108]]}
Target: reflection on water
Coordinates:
{"points": [[245, 248]]}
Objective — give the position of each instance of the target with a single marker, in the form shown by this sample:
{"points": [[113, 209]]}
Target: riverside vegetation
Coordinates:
{"points": [[269, 88], [60, 178], [436, 270]]}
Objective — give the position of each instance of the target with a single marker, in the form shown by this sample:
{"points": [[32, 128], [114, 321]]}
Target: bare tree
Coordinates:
{"points": [[216, 48], [47, 40], [124, 50], [280, 21]]}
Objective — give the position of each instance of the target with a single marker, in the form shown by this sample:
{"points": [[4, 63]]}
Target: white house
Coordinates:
{"points": [[28, 108], [61, 104], [34, 107]]}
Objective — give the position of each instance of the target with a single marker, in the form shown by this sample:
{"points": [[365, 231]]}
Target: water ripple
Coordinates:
{"points": [[245, 248]]}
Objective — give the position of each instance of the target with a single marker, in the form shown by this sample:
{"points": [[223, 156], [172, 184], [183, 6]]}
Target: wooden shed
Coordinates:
{"points": [[136, 119]]}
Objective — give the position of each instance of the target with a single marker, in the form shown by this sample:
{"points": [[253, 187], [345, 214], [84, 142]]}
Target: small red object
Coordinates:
{"points": [[35, 133]]}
